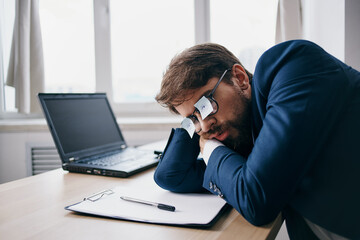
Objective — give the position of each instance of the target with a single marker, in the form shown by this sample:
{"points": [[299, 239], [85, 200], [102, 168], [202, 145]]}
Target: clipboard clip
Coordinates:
{"points": [[98, 196]]}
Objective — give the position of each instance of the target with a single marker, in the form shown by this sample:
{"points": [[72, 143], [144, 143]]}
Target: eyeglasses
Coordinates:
{"points": [[206, 106]]}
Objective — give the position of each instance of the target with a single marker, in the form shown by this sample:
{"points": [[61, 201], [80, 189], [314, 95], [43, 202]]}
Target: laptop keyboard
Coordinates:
{"points": [[127, 157]]}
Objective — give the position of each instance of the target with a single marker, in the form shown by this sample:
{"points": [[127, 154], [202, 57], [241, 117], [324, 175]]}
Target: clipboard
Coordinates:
{"points": [[200, 210]]}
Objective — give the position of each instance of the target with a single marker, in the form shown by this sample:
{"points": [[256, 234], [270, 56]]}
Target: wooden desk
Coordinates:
{"points": [[33, 208]]}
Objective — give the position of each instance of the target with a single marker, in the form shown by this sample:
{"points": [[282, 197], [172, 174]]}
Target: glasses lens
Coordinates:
{"points": [[196, 123], [214, 105]]}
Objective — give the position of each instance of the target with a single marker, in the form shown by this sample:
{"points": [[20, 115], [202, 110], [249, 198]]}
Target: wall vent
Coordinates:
{"points": [[43, 159]]}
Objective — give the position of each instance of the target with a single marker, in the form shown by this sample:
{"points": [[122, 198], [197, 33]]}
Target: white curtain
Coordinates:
{"points": [[26, 66], [289, 20]]}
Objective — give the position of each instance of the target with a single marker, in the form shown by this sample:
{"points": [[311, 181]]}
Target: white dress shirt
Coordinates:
{"points": [[209, 147]]}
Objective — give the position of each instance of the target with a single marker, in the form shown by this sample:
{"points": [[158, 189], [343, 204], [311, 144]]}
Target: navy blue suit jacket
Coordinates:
{"points": [[306, 154]]}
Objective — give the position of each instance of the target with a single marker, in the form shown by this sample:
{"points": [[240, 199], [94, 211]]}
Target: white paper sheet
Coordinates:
{"points": [[191, 209]]}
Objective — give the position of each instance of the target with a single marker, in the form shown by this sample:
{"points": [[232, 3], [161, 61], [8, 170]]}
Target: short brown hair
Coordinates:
{"points": [[192, 69]]}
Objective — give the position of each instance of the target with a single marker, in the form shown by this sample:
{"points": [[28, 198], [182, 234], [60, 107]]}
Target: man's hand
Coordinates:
{"points": [[202, 142], [211, 144]]}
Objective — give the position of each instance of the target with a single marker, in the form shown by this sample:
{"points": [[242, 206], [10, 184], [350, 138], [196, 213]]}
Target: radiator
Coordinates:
{"points": [[43, 159]]}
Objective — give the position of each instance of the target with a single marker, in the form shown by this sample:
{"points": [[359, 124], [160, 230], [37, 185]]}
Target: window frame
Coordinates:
{"points": [[2, 81], [103, 66], [3, 114]]}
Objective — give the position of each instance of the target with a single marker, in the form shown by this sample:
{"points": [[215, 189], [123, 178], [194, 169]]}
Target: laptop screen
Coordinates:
{"points": [[82, 122]]}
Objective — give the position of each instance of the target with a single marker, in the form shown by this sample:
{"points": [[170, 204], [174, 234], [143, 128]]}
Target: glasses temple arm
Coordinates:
{"points": [[217, 84]]}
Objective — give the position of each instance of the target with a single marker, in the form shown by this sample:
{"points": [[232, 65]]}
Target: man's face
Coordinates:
{"points": [[232, 123]]}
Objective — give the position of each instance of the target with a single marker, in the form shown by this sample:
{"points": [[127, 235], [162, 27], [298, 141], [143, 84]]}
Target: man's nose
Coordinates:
{"points": [[207, 123]]}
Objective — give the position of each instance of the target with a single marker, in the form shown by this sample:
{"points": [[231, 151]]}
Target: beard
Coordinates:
{"points": [[241, 141], [240, 138]]}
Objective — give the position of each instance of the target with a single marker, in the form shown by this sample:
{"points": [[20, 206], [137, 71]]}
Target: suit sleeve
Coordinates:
{"points": [[301, 110], [179, 169]]}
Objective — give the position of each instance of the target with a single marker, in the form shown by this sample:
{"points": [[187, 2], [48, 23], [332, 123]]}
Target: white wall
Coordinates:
{"points": [[14, 158], [13, 163]]}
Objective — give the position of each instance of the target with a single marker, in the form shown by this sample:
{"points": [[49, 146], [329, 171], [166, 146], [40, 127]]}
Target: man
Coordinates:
{"points": [[286, 139]]}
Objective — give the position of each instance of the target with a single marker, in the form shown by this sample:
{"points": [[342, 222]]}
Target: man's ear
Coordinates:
{"points": [[240, 76]]}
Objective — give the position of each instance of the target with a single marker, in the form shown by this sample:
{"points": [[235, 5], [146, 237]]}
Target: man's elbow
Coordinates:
{"points": [[166, 181], [259, 217], [260, 221], [188, 182]]}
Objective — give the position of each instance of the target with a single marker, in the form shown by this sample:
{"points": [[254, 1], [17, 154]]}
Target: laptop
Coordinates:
{"points": [[88, 138]]}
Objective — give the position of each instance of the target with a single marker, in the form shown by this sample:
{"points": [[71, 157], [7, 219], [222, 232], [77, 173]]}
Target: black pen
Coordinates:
{"points": [[154, 204], [158, 153]]}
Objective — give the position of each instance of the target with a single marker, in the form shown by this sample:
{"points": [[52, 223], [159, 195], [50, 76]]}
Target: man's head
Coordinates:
{"points": [[194, 73], [192, 69]]}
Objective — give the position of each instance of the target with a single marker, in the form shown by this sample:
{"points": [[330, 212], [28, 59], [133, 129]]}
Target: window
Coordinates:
{"points": [[7, 14], [247, 28], [145, 35], [68, 44], [142, 37]]}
